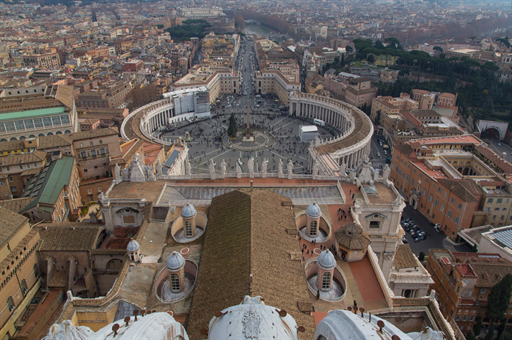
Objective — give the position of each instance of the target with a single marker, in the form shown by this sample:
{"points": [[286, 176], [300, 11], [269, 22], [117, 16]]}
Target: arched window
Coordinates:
{"points": [[93, 153], [10, 304], [114, 264], [175, 283], [188, 228], [312, 228], [326, 281], [24, 288]]}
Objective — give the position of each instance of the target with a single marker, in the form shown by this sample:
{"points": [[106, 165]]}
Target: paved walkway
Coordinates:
{"points": [[368, 284]]}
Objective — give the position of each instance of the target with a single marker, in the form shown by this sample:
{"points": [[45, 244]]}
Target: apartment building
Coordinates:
{"points": [[93, 150], [360, 92], [463, 282], [217, 80], [112, 96], [385, 109], [47, 61], [19, 269], [273, 81]]}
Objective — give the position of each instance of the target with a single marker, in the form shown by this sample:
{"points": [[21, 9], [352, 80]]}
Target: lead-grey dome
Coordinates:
{"points": [[175, 261], [326, 260], [132, 246], [313, 211], [188, 211]]}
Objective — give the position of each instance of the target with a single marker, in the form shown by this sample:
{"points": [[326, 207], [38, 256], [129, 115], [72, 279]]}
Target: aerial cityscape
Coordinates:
{"points": [[314, 170]]}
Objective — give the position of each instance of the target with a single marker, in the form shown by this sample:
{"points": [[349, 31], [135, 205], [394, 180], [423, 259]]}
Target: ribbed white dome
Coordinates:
{"points": [[133, 246], [326, 260], [175, 261], [313, 211], [188, 211]]}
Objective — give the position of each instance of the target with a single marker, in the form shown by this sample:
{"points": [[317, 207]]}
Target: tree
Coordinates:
{"points": [[370, 58], [499, 298], [505, 336], [477, 329], [501, 327], [470, 336], [439, 49], [233, 128], [490, 332], [141, 96], [349, 49]]}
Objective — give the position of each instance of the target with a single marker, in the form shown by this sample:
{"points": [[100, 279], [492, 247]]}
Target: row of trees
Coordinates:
{"points": [[138, 97], [190, 28]]}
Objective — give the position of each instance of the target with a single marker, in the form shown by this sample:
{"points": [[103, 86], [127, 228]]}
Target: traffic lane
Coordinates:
{"points": [[434, 240], [499, 147]]}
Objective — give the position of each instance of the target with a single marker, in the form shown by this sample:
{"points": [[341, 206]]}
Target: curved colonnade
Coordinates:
{"points": [[143, 121], [349, 148]]}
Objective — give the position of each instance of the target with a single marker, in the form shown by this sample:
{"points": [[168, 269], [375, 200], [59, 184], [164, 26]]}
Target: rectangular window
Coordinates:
{"points": [[449, 214], [472, 317], [9, 126], [456, 219], [457, 318], [464, 318], [20, 125], [38, 123], [435, 202], [460, 206], [439, 189], [47, 121], [442, 207], [424, 192], [490, 200], [64, 119], [56, 120], [452, 200], [499, 201], [430, 198], [374, 224], [29, 124]]}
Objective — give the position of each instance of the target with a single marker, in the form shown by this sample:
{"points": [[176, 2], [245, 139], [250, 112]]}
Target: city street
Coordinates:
{"points": [[499, 147]]}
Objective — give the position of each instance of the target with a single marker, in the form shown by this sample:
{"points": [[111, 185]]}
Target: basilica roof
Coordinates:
{"points": [[247, 252]]}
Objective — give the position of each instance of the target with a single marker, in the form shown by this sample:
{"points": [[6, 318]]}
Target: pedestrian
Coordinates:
{"points": [[355, 304]]}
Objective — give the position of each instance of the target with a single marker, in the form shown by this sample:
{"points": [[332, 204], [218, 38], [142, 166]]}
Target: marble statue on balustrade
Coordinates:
{"points": [[375, 175], [117, 171], [343, 170], [264, 166], [250, 166], [188, 168], [223, 169], [158, 168], [238, 167], [126, 174], [280, 168], [386, 172], [150, 175], [137, 169], [290, 169], [211, 168]]}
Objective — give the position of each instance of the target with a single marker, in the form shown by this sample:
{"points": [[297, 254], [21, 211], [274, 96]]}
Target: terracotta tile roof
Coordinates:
{"points": [[128, 151], [352, 237], [16, 204], [32, 157], [68, 236], [93, 133], [54, 141], [404, 258], [505, 166], [489, 268], [247, 235], [458, 187], [10, 223]]}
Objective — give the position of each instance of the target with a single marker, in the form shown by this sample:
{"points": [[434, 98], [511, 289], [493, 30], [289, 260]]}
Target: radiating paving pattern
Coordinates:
{"points": [[203, 195]]}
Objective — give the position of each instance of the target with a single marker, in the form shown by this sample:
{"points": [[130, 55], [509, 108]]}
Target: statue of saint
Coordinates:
{"points": [[118, 171], [264, 166], [250, 165], [187, 167], [280, 167], [290, 169], [223, 169], [158, 168], [238, 167], [211, 167], [386, 172]]}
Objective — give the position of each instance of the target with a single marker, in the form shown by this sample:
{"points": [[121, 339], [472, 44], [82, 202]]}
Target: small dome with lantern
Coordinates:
{"points": [[326, 260], [313, 211], [188, 211], [133, 246], [175, 261]]}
